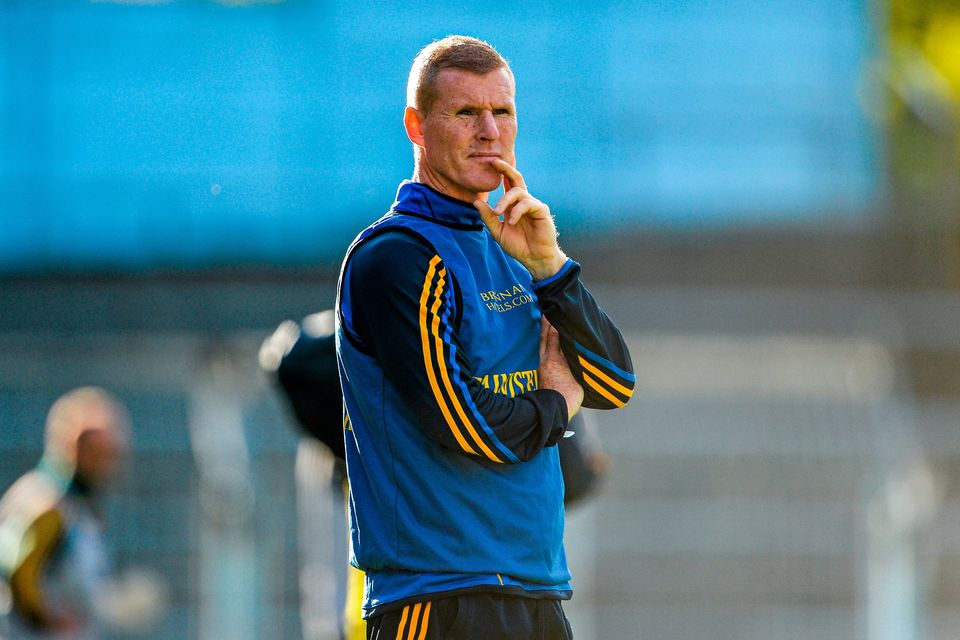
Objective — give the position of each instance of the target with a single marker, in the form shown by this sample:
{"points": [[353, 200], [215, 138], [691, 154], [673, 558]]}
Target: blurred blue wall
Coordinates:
{"points": [[189, 134]]}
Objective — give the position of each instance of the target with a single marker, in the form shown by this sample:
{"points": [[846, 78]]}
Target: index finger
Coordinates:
{"points": [[510, 173]]}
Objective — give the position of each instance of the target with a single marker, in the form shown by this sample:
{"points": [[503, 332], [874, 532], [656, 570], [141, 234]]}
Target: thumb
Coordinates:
{"points": [[553, 341], [490, 217]]}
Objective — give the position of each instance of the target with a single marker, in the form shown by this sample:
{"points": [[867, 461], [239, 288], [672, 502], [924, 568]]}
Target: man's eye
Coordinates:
{"points": [[502, 112], [465, 112]]}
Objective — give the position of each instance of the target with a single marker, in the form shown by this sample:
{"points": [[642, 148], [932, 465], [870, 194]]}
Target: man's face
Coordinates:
{"points": [[100, 447], [472, 121]]}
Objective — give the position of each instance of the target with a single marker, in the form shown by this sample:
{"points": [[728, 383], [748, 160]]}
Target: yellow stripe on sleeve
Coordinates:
{"points": [[610, 381], [606, 394], [426, 622], [425, 345], [441, 365]]}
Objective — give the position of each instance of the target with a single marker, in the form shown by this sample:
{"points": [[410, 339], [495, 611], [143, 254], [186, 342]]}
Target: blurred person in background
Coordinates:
{"points": [[55, 580], [302, 362], [466, 344]]}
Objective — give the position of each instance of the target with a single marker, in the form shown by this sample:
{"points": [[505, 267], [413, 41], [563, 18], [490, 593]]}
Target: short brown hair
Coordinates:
{"points": [[452, 52]]}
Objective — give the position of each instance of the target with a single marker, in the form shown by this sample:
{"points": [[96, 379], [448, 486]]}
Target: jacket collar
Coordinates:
{"points": [[420, 200]]}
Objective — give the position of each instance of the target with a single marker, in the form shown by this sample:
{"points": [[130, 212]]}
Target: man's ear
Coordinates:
{"points": [[413, 123]]}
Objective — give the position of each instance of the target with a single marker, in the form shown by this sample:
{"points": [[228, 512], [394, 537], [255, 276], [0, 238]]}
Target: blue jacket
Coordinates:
{"points": [[455, 481]]}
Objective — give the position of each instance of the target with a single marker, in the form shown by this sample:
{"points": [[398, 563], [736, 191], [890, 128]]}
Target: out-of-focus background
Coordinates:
{"points": [[764, 196]]}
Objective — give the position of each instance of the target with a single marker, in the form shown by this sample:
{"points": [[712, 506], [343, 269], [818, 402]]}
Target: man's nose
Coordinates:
{"points": [[487, 126]]}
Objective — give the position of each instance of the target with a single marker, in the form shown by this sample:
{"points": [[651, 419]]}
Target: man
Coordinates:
{"points": [[465, 343], [53, 564]]}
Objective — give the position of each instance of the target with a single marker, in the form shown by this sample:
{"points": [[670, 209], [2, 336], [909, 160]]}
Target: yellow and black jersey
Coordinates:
{"points": [[31, 531]]}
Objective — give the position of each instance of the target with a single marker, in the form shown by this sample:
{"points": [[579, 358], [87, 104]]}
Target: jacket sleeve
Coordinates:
{"points": [[593, 346], [399, 305], [27, 579]]}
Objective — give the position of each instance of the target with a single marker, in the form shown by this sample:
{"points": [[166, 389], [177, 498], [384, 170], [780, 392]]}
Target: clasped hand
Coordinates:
{"points": [[554, 372]]}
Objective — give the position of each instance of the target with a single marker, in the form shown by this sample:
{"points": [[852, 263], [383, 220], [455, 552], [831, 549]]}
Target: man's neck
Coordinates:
{"points": [[423, 175]]}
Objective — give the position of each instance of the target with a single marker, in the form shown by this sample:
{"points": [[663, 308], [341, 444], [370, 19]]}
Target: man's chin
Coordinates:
{"points": [[486, 185], [472, 187]]}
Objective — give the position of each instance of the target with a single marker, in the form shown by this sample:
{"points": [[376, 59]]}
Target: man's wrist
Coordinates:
{"points": [[543, 269]]}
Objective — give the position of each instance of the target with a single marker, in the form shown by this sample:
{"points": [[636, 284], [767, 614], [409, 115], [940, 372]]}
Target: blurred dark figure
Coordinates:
{"points": [[302, 362], [583, 462], [55, 580]]}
